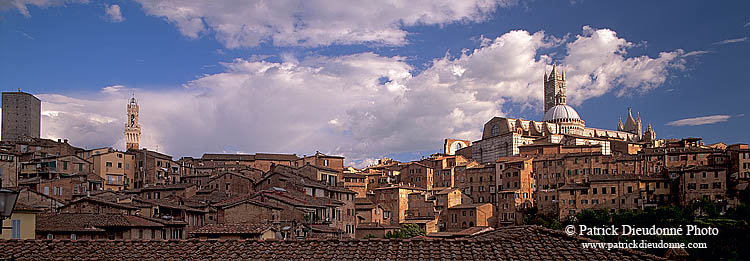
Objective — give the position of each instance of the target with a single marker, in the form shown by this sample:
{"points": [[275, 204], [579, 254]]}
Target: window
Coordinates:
{"points": [[325, 163], [15, 229], [495, 130], [73, 237], [717, 185], [612, 190], [108, 164], [50, 236], [704, 186], [691, 185], [65, 165], [119, 165], [630, 189], [604, 191]]}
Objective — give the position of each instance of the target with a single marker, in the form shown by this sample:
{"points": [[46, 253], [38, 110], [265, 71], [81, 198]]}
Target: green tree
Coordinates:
{"points": [[406, 231]]}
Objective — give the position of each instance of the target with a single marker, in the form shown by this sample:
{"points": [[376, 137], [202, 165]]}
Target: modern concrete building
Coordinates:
{"points": [[21, 116]]}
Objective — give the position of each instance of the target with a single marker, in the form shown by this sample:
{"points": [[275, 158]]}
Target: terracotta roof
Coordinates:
{"points": [[299, 199], [168, 186], [228, 157], [271, 156], [167, 204], [242, 228], [548, 241], [244, 199], [84, 222], [474, 205], [103, 202], [21, 207], [520, 243]]}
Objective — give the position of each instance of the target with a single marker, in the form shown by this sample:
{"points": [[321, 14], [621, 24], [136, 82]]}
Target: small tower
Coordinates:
{"points": [[132, 127], [619, 125], [650, 134]]}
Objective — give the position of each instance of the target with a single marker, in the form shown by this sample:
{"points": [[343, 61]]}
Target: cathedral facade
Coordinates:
{"points": [[561, 124]]}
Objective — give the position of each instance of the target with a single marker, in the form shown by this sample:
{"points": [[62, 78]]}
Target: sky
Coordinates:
{"points": [[369, 79]]}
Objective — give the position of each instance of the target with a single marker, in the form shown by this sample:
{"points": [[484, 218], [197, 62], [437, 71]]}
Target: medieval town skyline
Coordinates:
{"points": [[368, 97]]}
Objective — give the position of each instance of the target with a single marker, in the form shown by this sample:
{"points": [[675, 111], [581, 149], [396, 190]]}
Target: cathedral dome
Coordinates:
{"points": [[559, 112]]}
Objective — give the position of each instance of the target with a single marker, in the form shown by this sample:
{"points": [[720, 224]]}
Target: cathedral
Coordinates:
{"points": [[132, 127], [561, 124]]}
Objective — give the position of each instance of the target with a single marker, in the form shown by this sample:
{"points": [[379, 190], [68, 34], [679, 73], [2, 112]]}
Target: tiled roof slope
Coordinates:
{"points": [[520, 243], [556, 244], [241, 228]]}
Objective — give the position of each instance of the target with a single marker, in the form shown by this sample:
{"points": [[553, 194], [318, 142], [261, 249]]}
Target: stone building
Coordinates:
{"points": [[695, 183], [154, 168], [357, 183], [322, 160], [394, 200], [464, 216], [53, 167], [8, 169], [739, 155], [67, 187], [27, 148], [21, 117], [444, 168], [132, 127], [502, 137], [117, 168], [244, 209], [516, 186], [232, 183], [417, 174], [477, 181]]}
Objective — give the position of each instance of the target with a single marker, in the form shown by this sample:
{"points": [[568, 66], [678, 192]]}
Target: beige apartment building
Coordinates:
{"points": [[117, 168]]}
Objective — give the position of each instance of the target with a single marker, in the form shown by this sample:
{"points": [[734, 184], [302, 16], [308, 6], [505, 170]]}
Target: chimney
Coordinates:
{"points": [[66, 141], [59, 140]]}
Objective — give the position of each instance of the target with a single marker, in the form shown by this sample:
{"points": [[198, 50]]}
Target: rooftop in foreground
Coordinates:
{"points": [[516, 243]]}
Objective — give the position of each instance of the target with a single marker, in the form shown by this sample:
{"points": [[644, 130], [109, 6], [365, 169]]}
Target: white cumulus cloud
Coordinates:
{"points": [[360, 105], [243, 23]]}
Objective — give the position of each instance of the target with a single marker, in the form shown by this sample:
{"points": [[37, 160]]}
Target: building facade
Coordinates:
{"points": [[561, 123], [21, 116]]}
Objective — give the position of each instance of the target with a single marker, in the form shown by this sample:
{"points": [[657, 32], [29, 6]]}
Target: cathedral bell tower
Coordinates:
{"points": [[554, 88], [132, 127]]}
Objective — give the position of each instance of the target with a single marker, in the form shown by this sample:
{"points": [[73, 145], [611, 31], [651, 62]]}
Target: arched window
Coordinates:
{"points": [[495, 130], [459, 145]]}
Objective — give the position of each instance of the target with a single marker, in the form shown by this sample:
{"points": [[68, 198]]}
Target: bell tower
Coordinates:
{"points": [[554, 88], [132, 127]]}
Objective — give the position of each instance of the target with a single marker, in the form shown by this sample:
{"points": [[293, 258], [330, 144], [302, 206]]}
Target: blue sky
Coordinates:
{"points": [[370, 81]]}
